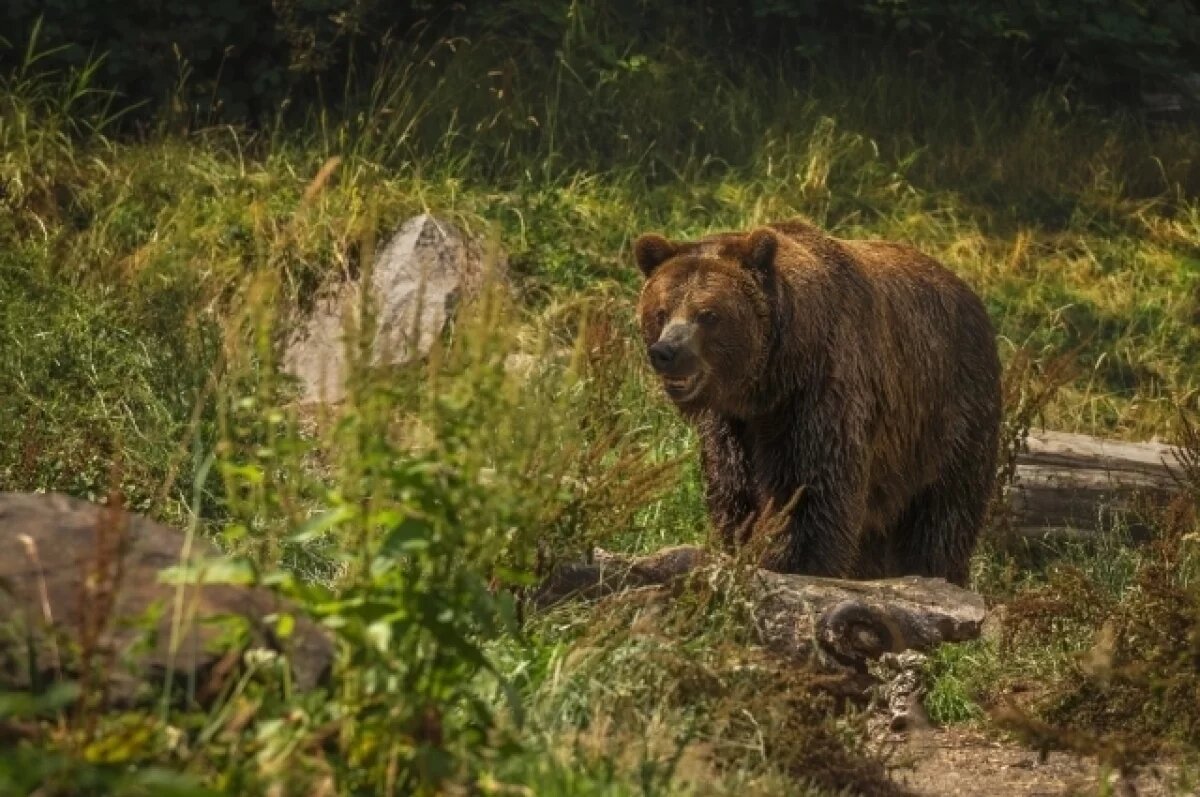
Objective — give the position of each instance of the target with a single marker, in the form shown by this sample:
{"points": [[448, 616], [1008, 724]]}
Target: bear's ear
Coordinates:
{"points": [[651, 251], [760, 249]]}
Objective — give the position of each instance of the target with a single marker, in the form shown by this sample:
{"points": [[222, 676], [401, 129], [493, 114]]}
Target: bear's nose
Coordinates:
{"points": [[662, 354]]}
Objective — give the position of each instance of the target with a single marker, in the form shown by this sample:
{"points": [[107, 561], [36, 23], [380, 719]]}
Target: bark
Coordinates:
{"points": [[836, 623], [1076, 485]]}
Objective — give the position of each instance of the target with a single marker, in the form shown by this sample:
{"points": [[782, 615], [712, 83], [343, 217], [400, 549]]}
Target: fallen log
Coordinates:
{"points": [[836, 624], [1067, 485], [1074, 485]]}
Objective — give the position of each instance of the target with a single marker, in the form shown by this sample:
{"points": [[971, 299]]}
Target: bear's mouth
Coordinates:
{"points": [[683, 388]]}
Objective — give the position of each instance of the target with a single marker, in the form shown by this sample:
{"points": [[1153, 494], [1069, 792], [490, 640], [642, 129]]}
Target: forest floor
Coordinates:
{"points": [[967, 762]]}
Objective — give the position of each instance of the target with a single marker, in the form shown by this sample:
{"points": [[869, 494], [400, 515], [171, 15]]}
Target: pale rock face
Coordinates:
{"points": [[418, 281]]}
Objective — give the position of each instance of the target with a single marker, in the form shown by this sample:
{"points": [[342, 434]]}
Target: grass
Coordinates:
{"points": [[147, 281], [1092, 646]]}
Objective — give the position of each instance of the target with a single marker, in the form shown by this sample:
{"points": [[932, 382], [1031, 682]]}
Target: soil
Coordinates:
{"points": [[959, 762]]}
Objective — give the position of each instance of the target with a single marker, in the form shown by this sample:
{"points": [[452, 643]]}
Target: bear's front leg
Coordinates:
{"points": [[826, 478], [729, 489]]}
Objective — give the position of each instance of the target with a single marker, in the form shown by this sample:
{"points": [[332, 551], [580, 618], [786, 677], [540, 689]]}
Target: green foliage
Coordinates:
{"points": [[1127, 686], [101, 770], [205, 61], [957, 673], [237, 61], [456, 484], [1104, 44], [674, 687], [146, 284], [99, 384]]}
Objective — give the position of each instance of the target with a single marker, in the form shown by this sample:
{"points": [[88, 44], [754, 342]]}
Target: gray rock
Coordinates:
{"points": [[419, 279], [77, 576]]}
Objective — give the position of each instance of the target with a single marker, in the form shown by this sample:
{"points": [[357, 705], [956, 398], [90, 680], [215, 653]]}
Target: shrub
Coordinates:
{"points": [[1129, 688]]}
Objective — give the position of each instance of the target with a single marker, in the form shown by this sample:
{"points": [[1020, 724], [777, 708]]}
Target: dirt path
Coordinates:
{"points": [[955, 762]]}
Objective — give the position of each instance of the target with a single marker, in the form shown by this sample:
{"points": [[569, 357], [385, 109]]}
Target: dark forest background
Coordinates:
{"points": [[235, 60]]}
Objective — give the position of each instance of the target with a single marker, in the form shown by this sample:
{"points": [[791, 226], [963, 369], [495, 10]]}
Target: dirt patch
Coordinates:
{"points": [[955, 762]]}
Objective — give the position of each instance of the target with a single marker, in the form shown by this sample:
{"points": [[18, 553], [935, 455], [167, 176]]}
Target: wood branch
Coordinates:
{"points": [[836, 624], [1076, 485]]}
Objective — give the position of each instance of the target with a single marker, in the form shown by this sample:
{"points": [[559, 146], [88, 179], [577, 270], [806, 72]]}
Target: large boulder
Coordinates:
{"points": [[79, 578], [419, 279]]}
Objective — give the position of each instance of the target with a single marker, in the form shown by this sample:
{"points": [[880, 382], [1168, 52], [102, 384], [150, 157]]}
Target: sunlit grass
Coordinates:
{"points": [[147, 283]]}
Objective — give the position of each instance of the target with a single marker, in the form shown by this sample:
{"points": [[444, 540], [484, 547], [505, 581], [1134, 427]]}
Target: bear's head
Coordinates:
{"points": [[705, 315]]}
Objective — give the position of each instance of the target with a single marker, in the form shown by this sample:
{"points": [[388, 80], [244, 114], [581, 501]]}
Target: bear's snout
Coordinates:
{"points": [[673, 355], [662, 355]]}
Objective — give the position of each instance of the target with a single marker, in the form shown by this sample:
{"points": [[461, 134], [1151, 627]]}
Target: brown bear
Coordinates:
{"points": [[847, 390]]}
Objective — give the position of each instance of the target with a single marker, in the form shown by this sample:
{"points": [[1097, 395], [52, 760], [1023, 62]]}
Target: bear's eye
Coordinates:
{"points": [[707, 317], [660, 317]]}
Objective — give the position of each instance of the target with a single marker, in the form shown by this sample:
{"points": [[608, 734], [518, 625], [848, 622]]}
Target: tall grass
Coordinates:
{"points": [[148, 282]]}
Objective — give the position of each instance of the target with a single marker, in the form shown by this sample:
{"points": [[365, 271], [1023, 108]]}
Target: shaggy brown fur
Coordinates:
{"points": [[860, 376]]}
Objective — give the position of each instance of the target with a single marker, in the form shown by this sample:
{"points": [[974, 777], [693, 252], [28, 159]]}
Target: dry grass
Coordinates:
{"points": [[147, 283]]}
